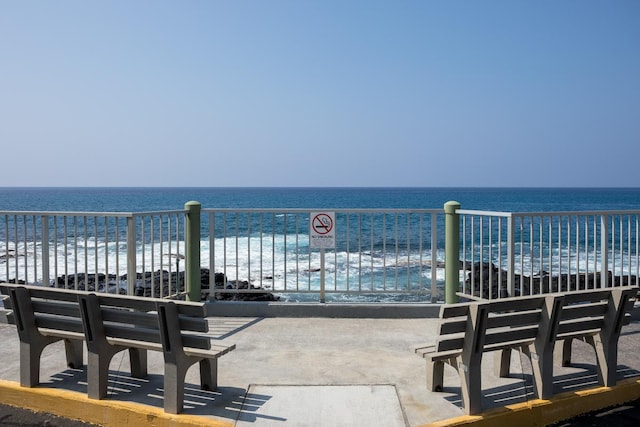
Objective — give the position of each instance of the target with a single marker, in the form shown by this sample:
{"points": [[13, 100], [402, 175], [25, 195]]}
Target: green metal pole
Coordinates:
{"points": [[192, 251], [451, 252]]}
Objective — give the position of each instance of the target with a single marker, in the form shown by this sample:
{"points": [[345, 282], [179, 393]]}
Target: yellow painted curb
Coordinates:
{"points": [[77, 406], [540, 413]]}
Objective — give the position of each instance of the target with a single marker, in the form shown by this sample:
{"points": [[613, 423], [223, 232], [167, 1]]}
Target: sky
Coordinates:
{"points": [[222, 93]]}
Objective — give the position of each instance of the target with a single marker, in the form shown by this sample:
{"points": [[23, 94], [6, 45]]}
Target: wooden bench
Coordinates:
{"points": [[110, 324], [531, 325], [114, 323], [43, 316]]}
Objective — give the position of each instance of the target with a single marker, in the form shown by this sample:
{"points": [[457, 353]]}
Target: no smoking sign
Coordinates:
{"points": [[322, 231]]}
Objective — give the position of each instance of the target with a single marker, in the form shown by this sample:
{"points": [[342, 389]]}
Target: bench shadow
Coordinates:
{"points": [[521, 389], [231, 403], [221, 327]]}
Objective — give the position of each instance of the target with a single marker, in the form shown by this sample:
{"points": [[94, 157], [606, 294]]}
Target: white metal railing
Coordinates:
{"points": [[381, 253], [120, 252], [508, 254]]}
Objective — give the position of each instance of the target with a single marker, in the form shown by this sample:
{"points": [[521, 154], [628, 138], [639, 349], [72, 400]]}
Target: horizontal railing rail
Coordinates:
{"points": [[511, 254]]}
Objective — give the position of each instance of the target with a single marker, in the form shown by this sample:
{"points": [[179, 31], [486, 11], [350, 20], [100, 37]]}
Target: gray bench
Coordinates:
{"points": [[43, 316], [115, 323], [531, 325], [110, 324]]}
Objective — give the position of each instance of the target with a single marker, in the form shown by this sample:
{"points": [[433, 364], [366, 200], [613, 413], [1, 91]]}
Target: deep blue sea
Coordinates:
{"points": [[97, 199]]}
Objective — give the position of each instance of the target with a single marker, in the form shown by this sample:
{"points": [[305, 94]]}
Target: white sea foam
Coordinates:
{"points": [[279, 262]]}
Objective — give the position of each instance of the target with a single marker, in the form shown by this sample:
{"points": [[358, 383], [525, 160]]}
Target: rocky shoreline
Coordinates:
{"points": [[485, 280], [163, 282], [489, 281]]}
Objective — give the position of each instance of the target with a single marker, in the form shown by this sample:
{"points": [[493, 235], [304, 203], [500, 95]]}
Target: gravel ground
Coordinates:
{"points": [[13, 416], [627, 415]]}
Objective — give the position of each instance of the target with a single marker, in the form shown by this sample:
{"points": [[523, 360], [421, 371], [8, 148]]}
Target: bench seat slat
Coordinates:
{"points": [[217, 351], [134, 343], [62, 334]]}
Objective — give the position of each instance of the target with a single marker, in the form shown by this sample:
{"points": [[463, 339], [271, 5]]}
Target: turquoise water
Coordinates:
{"points": [[149, 199]]}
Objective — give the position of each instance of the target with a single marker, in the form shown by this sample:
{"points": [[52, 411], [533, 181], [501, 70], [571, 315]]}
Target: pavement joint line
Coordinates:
{"points": [[540, 413], [77, 406]]}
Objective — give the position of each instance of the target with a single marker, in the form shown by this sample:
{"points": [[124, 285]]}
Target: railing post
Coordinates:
{"points": [[44, 223], [131, 255], [451, 252], [192, 251], [604, 251], [511, 254], [434, 257]]}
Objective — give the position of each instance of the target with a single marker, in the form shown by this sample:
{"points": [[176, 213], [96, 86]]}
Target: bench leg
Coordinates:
{"points": [[607, 360], [30, 354], [542, 369], [435, 375], [503, 363], [29, 364], [471, 386], [209, 374], [97, 376], [73, 350], [174, 377], [174, 380], [565, 354], [98, 370], [138, 362]]}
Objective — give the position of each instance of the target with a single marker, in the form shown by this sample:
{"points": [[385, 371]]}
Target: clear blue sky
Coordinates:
{"points": [[320, 93]]}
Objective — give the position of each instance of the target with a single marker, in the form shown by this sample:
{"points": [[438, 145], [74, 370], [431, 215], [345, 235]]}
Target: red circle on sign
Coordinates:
{"points": [[322, 224]]}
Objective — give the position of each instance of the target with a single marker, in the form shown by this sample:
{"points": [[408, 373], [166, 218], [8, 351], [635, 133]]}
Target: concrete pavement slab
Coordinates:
{"points": [[286, 354], [324, 405]]}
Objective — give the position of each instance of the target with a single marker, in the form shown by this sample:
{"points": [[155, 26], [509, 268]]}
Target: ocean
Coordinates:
{"points": [[99, 199], [363, 259]]}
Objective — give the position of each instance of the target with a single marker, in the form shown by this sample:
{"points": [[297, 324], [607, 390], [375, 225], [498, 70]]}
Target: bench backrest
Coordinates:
{"points": [[491, 325], [156, 321], [114, 316], [588, 312], [516, 319], [48, 308]]}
